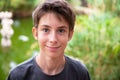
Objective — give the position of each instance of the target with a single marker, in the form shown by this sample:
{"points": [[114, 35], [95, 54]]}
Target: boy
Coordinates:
{"points": [[53, 27]]}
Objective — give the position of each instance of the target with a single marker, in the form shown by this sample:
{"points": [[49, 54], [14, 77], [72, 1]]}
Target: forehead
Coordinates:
{"points": [[52, 19]]}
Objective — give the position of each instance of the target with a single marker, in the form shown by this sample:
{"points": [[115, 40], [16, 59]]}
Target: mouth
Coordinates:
{"points": [[53, 48]]}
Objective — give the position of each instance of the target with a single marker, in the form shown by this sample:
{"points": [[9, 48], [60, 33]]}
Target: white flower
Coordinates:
{"points": [[23, 38]]}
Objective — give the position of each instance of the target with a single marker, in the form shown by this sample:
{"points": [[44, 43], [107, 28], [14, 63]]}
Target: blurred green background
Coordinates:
{"points": [[96, 40]]}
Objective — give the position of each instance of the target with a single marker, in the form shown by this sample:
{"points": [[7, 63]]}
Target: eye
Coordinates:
{"points": [[45, 30], [61, 30]]}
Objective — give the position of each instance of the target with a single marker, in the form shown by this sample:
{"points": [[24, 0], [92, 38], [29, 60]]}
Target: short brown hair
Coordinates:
{"points": [[60, 7]]}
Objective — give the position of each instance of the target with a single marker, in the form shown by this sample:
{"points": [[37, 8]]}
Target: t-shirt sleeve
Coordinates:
{"points": [[79, 68], [84, 72], [86, 75], [15, 74], [21, 70], [11, 77]]}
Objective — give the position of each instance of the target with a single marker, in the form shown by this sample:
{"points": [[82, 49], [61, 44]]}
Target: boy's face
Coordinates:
{"points": [[52, 35]]}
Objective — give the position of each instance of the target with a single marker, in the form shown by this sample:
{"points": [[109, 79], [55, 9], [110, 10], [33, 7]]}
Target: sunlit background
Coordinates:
{"points": [[96, 40]]}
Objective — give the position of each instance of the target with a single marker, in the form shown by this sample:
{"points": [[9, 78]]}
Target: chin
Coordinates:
{"points": [[55, 55]]}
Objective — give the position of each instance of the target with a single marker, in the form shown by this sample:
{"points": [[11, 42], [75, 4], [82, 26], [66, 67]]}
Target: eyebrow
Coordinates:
{"points": [[45, 25], [58, 27]]}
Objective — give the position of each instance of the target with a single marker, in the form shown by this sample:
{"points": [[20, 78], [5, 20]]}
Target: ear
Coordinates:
{"points": [[35, 33], [70, 35]]}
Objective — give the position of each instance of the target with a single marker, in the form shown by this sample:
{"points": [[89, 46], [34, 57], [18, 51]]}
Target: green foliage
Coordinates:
{"points": [[112, 6], [20, 50], [96, 41], [14, 5], [22, 4]]}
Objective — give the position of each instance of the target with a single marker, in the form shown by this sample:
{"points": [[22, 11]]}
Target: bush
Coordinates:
{"points": [[96, 41]]}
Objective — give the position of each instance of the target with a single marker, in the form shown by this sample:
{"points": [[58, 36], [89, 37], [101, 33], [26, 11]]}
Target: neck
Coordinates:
{"points": [[51, 66]]}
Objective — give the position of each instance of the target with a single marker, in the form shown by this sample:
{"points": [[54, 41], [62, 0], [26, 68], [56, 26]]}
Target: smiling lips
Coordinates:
{"points": [[53, 48]]}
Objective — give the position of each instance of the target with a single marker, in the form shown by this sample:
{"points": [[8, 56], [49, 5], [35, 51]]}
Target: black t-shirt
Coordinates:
{"points": [[29, 70]]}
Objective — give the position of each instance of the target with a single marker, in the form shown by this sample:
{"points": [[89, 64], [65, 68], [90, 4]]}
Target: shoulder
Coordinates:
{"points": [[76, 63], [78, 67], [21, 70]]}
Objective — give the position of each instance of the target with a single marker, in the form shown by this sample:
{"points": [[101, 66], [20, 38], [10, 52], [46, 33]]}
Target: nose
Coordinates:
{"points": [[53, 37]]}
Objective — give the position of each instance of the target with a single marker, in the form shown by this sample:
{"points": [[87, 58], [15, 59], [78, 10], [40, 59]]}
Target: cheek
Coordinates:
{"points": [[64, 41], [41, 39]]}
